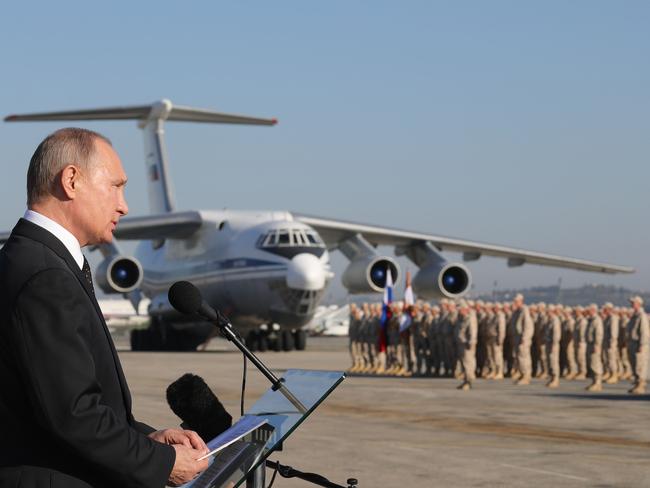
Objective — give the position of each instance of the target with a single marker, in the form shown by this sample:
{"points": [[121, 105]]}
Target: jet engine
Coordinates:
{"points": [[442, 280], [119, 274], [368, 274]]}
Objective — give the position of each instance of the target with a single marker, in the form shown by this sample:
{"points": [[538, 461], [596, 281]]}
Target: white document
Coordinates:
{"points": [[243, 426]]}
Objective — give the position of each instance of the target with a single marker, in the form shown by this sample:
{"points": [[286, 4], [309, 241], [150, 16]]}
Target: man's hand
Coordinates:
{"points": [[187, 438], [186, 467]]}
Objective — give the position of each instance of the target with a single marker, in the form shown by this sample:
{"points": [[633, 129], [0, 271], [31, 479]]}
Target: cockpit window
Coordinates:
{"points": [[291, 238], [283, 238], [270, 239]]}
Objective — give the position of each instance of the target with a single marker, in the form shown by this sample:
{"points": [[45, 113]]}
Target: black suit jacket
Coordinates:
{"points": [[65, 407]]}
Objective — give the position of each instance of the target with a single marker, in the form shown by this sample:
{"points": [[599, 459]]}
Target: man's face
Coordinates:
{"points": [[101, 196]]}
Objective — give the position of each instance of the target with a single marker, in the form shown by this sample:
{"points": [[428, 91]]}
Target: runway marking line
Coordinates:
{"points": [[544, 471]]}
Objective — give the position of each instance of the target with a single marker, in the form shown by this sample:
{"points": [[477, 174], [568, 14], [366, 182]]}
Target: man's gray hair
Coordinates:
{"points": [[61, 148]]}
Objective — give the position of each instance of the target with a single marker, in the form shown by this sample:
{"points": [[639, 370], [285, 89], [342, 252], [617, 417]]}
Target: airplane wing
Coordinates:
{"points": [[174, 225], [335, 231]]}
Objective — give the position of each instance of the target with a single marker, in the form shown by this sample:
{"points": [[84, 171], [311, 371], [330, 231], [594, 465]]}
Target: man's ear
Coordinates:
{"points": [[69, 180]]}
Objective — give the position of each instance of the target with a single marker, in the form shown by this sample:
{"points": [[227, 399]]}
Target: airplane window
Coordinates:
{"points": [[290, 238], [314, 239], [299, 238], [283, 238], [270, 239]]}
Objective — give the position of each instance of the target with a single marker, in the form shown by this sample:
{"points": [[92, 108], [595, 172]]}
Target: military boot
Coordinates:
{"points": [[597, 385], [638, 389], [554, 383]]}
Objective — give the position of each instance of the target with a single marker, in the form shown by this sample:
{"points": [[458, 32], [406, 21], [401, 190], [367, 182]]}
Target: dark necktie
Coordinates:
{"points": [[88, 275]]}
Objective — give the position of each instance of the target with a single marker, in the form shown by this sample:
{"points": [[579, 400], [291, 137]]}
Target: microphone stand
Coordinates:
{"points": [[227, 330], [316, 479]]}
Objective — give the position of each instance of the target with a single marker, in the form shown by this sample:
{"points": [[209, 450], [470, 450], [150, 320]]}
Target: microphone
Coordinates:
{"points": [[187, 299], [193, 401]]}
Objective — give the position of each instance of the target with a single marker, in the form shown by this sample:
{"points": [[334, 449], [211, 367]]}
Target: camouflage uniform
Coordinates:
{"points": [[638, 337], [594, 338], [466, 337], [552, 339]]}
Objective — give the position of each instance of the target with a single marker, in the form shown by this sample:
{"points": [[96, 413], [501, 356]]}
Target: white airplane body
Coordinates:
{"points": [[262, 274], [266, 267]]}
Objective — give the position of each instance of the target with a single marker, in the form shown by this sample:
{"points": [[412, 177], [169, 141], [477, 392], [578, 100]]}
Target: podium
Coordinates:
{"points": [[243, 462]]}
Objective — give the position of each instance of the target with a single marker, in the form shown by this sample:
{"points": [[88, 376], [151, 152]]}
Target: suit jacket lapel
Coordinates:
{"points": [[37, 233]]}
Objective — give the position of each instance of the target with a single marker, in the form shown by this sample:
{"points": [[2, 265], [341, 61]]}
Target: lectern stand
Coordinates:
{"points": [[244, 461]]}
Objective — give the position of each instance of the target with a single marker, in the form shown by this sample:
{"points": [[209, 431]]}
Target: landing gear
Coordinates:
{"points": [[277, 344], [162, 335], [286, 337], [300, 338], [257, 340], [251, 340], [263, 342]]}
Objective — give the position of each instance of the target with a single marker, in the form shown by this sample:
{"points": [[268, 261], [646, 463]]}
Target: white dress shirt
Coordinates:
{"points": [[61, 233]]}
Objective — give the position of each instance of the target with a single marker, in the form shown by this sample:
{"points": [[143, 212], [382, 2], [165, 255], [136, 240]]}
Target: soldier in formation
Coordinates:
{"points": [[466, 340]]}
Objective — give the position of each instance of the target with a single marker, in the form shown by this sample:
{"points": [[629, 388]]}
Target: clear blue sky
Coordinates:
{"points": [[519, 123]]}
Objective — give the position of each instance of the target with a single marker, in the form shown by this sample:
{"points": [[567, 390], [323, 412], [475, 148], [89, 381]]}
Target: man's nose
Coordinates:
{"points": [[123, 207]]}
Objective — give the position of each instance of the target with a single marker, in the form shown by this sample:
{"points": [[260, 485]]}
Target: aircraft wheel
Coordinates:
{"points": [[277, 342], [300, 337], [287, 340], [262, 343], [136, 340], [251, 340]]}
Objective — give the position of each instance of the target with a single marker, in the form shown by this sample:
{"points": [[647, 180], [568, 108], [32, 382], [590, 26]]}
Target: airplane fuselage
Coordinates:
{"points": [[256, 267]]}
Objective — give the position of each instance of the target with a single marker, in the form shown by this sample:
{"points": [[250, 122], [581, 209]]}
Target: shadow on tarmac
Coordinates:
{"points": [[601, 396]]}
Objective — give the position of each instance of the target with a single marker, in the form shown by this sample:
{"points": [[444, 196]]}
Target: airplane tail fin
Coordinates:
{"points": [[151, 119]]}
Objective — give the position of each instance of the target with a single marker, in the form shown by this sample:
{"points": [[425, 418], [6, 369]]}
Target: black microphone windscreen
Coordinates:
{"points": [[185, 297], [194, 402]]}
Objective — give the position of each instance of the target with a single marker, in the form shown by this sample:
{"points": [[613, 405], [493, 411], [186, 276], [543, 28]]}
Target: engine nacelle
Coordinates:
{"points": [[368, 274], [442, 280], [119, 274]]}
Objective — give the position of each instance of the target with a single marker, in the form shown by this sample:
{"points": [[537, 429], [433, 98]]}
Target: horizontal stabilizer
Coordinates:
{"points": [[163, 109]]}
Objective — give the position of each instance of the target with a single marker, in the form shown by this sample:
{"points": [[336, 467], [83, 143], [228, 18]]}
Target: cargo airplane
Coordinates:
{"points": [[267, 270]]}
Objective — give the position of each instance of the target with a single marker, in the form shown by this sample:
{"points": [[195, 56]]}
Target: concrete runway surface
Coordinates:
{"points": [[422, 432]]}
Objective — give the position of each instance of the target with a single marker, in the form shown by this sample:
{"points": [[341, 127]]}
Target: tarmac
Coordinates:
{"points": [[422, 432]]}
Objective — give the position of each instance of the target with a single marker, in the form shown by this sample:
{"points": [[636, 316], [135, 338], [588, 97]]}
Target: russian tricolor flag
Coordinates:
{"points": [[386, 312], [409, 300]]}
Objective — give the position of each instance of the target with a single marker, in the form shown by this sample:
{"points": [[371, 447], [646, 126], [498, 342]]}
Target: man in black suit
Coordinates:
{"points": [[65, 407]]}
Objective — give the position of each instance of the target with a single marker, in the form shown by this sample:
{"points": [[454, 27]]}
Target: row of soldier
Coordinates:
{"points": [[467, 339]]}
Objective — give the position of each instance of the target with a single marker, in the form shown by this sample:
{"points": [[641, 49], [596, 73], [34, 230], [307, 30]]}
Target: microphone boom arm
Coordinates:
{"points": [[227, 330]]}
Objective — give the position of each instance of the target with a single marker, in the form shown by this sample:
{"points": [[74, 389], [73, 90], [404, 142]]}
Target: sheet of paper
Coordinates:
{"points": [[243, 426]]}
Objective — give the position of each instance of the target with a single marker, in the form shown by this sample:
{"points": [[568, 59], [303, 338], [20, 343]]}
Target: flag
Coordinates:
{"points": [[386, 313], [406, 319]]}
